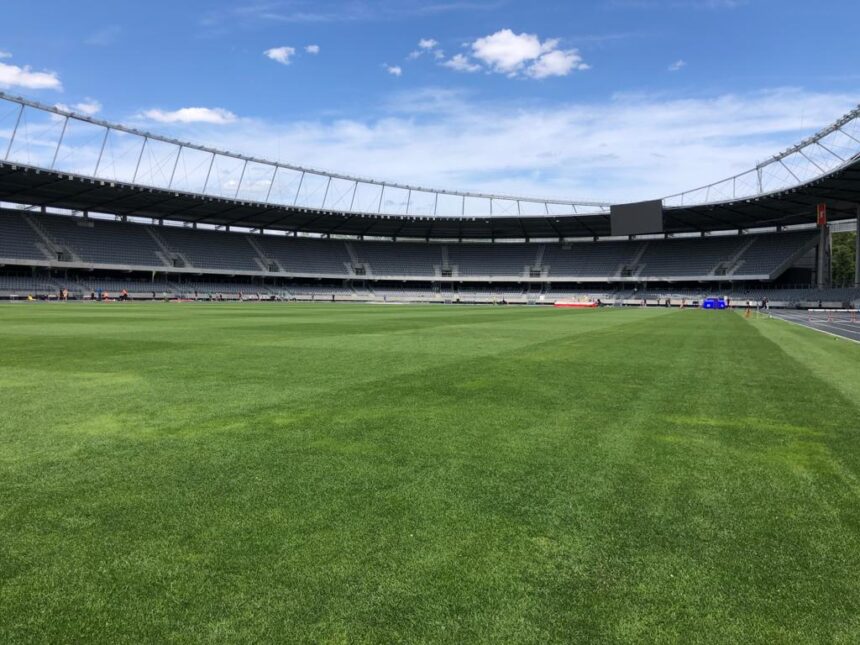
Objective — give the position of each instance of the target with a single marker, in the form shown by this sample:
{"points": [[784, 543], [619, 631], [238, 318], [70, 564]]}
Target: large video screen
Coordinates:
{"points": [[640, 218]]}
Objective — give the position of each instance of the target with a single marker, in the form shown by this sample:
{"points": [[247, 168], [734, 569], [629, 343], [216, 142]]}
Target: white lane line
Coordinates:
{"points": [[807, 325], [851, 328]]}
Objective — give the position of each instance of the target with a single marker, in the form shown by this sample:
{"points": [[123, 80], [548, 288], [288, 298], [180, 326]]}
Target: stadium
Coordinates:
{"points": [[254, 401], [98, 207]]}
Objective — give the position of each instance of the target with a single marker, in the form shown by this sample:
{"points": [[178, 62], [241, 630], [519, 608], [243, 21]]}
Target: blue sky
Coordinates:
{"points": [[611, 99]]}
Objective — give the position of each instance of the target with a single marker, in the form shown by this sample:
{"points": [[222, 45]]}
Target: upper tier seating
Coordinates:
{"points": [[212, 249], [688, 257], [105, 242], [589, 260], [406, 259], [492, 259], [306, 255], [17, 238], [768, 252]]}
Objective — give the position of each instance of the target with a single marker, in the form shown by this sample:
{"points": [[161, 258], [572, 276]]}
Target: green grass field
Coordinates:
{"points": [[349, 473]]}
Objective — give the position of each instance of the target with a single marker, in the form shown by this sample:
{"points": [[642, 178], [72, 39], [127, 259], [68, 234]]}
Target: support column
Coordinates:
{"points": [[821, 265], [857, 252]]}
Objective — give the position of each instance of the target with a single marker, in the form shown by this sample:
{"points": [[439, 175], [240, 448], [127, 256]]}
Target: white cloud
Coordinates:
{"points": [[215, 116], [556, 63], [5, 54], [312, 49], [280, 55], [88, 107], [505, 52], [428, 46], [677, 66], [14, 76], [461, 63], [394, 70], [627, 148]]}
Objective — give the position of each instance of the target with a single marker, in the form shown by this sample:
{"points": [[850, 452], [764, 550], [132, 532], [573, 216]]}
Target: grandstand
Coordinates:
{"points": [[43, 253], [118, 227]]}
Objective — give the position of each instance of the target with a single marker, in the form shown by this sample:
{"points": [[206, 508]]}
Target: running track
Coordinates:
{"points": [[848, 330]]}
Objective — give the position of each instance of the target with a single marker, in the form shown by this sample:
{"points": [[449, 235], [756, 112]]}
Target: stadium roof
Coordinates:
{"points": [[782, 191]]}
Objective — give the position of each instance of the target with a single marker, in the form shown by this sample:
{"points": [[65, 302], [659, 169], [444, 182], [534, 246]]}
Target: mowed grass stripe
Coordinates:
{"points": [[614, 475]]}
